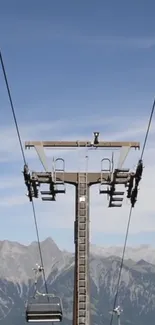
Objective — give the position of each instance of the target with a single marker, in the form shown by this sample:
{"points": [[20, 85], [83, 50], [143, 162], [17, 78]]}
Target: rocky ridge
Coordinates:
{"points": [[137, 290]]}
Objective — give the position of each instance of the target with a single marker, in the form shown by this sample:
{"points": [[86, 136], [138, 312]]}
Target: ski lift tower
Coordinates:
{"points": [[108, 180]]}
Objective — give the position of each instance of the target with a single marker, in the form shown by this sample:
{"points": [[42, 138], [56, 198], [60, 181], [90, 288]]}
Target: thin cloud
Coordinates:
{"points": [[58, 129], [62, 32], [102, 218], [11, 201], [10, 182], [70, 127], [124, 42]]}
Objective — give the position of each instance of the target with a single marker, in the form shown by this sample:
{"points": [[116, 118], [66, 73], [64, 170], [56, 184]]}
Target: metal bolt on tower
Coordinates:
{"points": [[56, 179]]}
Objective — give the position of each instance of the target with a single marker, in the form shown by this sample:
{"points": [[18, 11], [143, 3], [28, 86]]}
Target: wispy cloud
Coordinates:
{"points": [[10, 182], [10, 201], [47, 31], [104, 219], [125, 42], [75, 128], [60, 214]]}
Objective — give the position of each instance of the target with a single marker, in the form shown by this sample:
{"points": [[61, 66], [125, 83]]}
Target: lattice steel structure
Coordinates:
{"points": [[108, 179]]}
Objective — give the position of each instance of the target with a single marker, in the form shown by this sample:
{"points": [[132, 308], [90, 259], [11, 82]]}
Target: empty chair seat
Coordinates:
{"points": [[45, 312]]}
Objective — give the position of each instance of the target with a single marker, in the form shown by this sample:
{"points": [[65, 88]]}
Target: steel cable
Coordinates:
{"points": [[24, 159], [130, 215]]}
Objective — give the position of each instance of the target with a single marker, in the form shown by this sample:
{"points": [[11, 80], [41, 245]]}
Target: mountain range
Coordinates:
{"points": [[137, 289]]}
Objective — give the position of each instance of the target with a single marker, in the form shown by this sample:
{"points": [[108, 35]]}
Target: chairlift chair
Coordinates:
{"points": [[43, 307], [41, 311]]}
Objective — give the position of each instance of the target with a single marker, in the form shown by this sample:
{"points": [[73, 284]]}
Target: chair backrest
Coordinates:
{"points": [[44, 308], [41, 310]]}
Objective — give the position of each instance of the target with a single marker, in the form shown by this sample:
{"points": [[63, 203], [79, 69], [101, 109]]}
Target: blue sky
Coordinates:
{"points": [[76, 67]]}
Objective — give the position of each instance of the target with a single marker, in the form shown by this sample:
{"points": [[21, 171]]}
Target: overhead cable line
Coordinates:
{"points": [[130, 215], [24, 159], [148, 129], [39, 246], [121, 265], [12, 107]]}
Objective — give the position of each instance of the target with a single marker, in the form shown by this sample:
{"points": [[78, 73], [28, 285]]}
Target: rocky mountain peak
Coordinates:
{"points": [[18, 260], [142, 262], [137, 289]]}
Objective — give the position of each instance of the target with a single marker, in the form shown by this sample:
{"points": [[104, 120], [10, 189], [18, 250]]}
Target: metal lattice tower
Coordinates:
{"points": [[82, 244], [82, 180]]}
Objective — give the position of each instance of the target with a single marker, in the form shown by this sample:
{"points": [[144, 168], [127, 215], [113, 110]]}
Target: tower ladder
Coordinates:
{"points": [[83, 250]]}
